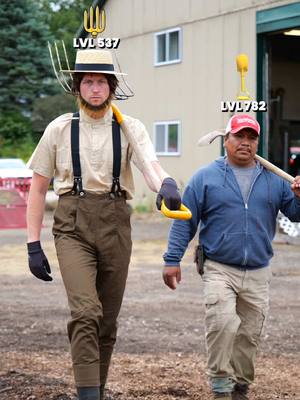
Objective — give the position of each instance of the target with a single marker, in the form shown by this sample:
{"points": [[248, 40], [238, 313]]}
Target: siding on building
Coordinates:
{"points": [[213, 33]]}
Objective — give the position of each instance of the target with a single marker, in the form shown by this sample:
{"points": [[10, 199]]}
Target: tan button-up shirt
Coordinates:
{"points": [[52, 156]]}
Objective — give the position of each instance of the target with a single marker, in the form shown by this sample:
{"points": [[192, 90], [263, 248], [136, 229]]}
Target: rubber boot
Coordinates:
{"points": [[103, 394], [88, 393], [240, 392]]}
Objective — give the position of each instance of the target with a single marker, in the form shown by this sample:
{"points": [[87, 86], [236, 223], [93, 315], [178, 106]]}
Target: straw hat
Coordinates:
{"points": [[95, 61]]}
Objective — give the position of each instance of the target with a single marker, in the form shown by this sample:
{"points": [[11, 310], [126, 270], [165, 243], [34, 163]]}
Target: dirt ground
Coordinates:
{"points": [[160, 352]]}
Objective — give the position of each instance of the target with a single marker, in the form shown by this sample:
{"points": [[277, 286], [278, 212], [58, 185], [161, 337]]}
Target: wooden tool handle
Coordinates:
{"points": [[273, 168]]}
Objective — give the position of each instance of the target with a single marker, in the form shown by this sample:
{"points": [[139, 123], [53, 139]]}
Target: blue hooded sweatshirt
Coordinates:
{"points": [[232, 231]]}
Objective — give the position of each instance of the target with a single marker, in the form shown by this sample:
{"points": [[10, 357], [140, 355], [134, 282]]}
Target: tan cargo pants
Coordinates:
{"points": [[93, 244], [236, 302]]}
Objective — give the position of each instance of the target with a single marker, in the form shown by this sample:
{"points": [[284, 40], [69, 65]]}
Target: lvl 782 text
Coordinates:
{"points": [[245, 106]]}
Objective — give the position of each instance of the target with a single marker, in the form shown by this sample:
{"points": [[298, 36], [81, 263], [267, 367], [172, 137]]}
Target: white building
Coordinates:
{"points": [[180, 56]]}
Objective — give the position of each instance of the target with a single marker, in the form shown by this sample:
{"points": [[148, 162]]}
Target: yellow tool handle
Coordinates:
{"points": [[182, 213], [117, 113]]}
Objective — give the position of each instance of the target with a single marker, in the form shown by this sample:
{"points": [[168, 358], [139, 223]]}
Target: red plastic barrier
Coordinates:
{"points": [[13, 198], [22, 185]]}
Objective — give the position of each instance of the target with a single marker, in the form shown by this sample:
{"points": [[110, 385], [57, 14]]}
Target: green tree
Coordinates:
{"points": [[24, 62], [48, 108], [27, 81], [16, 136], [65, 19]]}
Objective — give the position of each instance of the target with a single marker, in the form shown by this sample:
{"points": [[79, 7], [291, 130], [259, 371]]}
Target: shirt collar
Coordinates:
{"points": [[106, 119]]}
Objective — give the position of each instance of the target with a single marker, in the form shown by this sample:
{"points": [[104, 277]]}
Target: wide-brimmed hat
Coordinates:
{"points": [[94, 61], [242, 121]]}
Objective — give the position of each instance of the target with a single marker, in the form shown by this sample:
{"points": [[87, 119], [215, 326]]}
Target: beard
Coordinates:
{"points": [[86, 105]]}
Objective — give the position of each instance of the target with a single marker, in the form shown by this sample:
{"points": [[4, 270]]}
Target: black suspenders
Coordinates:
{"points": [[116, 138], [77, 186]]}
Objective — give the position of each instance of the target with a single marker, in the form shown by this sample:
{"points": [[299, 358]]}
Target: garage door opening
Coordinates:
{"points": [[284, 101]]}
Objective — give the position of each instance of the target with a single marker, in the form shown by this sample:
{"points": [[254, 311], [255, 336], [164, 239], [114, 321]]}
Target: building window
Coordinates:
{"points": [[167, 138], [167, 47]]}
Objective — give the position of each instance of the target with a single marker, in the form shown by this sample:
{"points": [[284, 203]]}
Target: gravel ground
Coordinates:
{"points": [[160, 352]]}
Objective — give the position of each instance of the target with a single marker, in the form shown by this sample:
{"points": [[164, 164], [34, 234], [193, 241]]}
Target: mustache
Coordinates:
{"points": [[246, 148], [91, 107]]}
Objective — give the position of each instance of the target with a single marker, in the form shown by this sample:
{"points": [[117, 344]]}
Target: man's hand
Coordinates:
{"points": [[170, 194], [172, 276], [295, 186], [38, 263]]}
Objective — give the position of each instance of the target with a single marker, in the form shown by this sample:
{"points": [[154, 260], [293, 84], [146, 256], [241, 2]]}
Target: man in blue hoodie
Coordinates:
{"points": [[236, 202]]}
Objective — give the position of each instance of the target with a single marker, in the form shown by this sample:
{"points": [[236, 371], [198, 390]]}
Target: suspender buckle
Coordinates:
{"points": [[115, 188], [77, 187]]}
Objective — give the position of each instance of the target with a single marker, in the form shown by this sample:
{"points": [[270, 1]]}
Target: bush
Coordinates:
{"points": [[16, 136]]}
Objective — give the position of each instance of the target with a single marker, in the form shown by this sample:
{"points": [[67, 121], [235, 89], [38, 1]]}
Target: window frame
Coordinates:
{"points": [[166, 125], [167, 38]]}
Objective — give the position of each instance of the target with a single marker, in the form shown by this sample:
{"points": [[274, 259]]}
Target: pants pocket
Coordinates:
{"points": [[58, 237], [65, 215], [256, 325], [211, 314]]}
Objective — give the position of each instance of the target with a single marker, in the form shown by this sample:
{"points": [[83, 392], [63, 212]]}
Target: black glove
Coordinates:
{"points": [[170, 194], [38, 262]]}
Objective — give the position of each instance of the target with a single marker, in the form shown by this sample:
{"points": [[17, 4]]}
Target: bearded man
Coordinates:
{"points": [[90, 161]]}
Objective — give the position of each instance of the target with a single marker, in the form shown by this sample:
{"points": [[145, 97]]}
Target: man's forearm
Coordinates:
{"points": [[154, 176], [179, 237], [182, 232], [35, 213], [161, 173]]}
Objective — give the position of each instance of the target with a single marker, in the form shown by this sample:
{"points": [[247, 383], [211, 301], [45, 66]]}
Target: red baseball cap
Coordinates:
{"points": [[242, 121]]}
